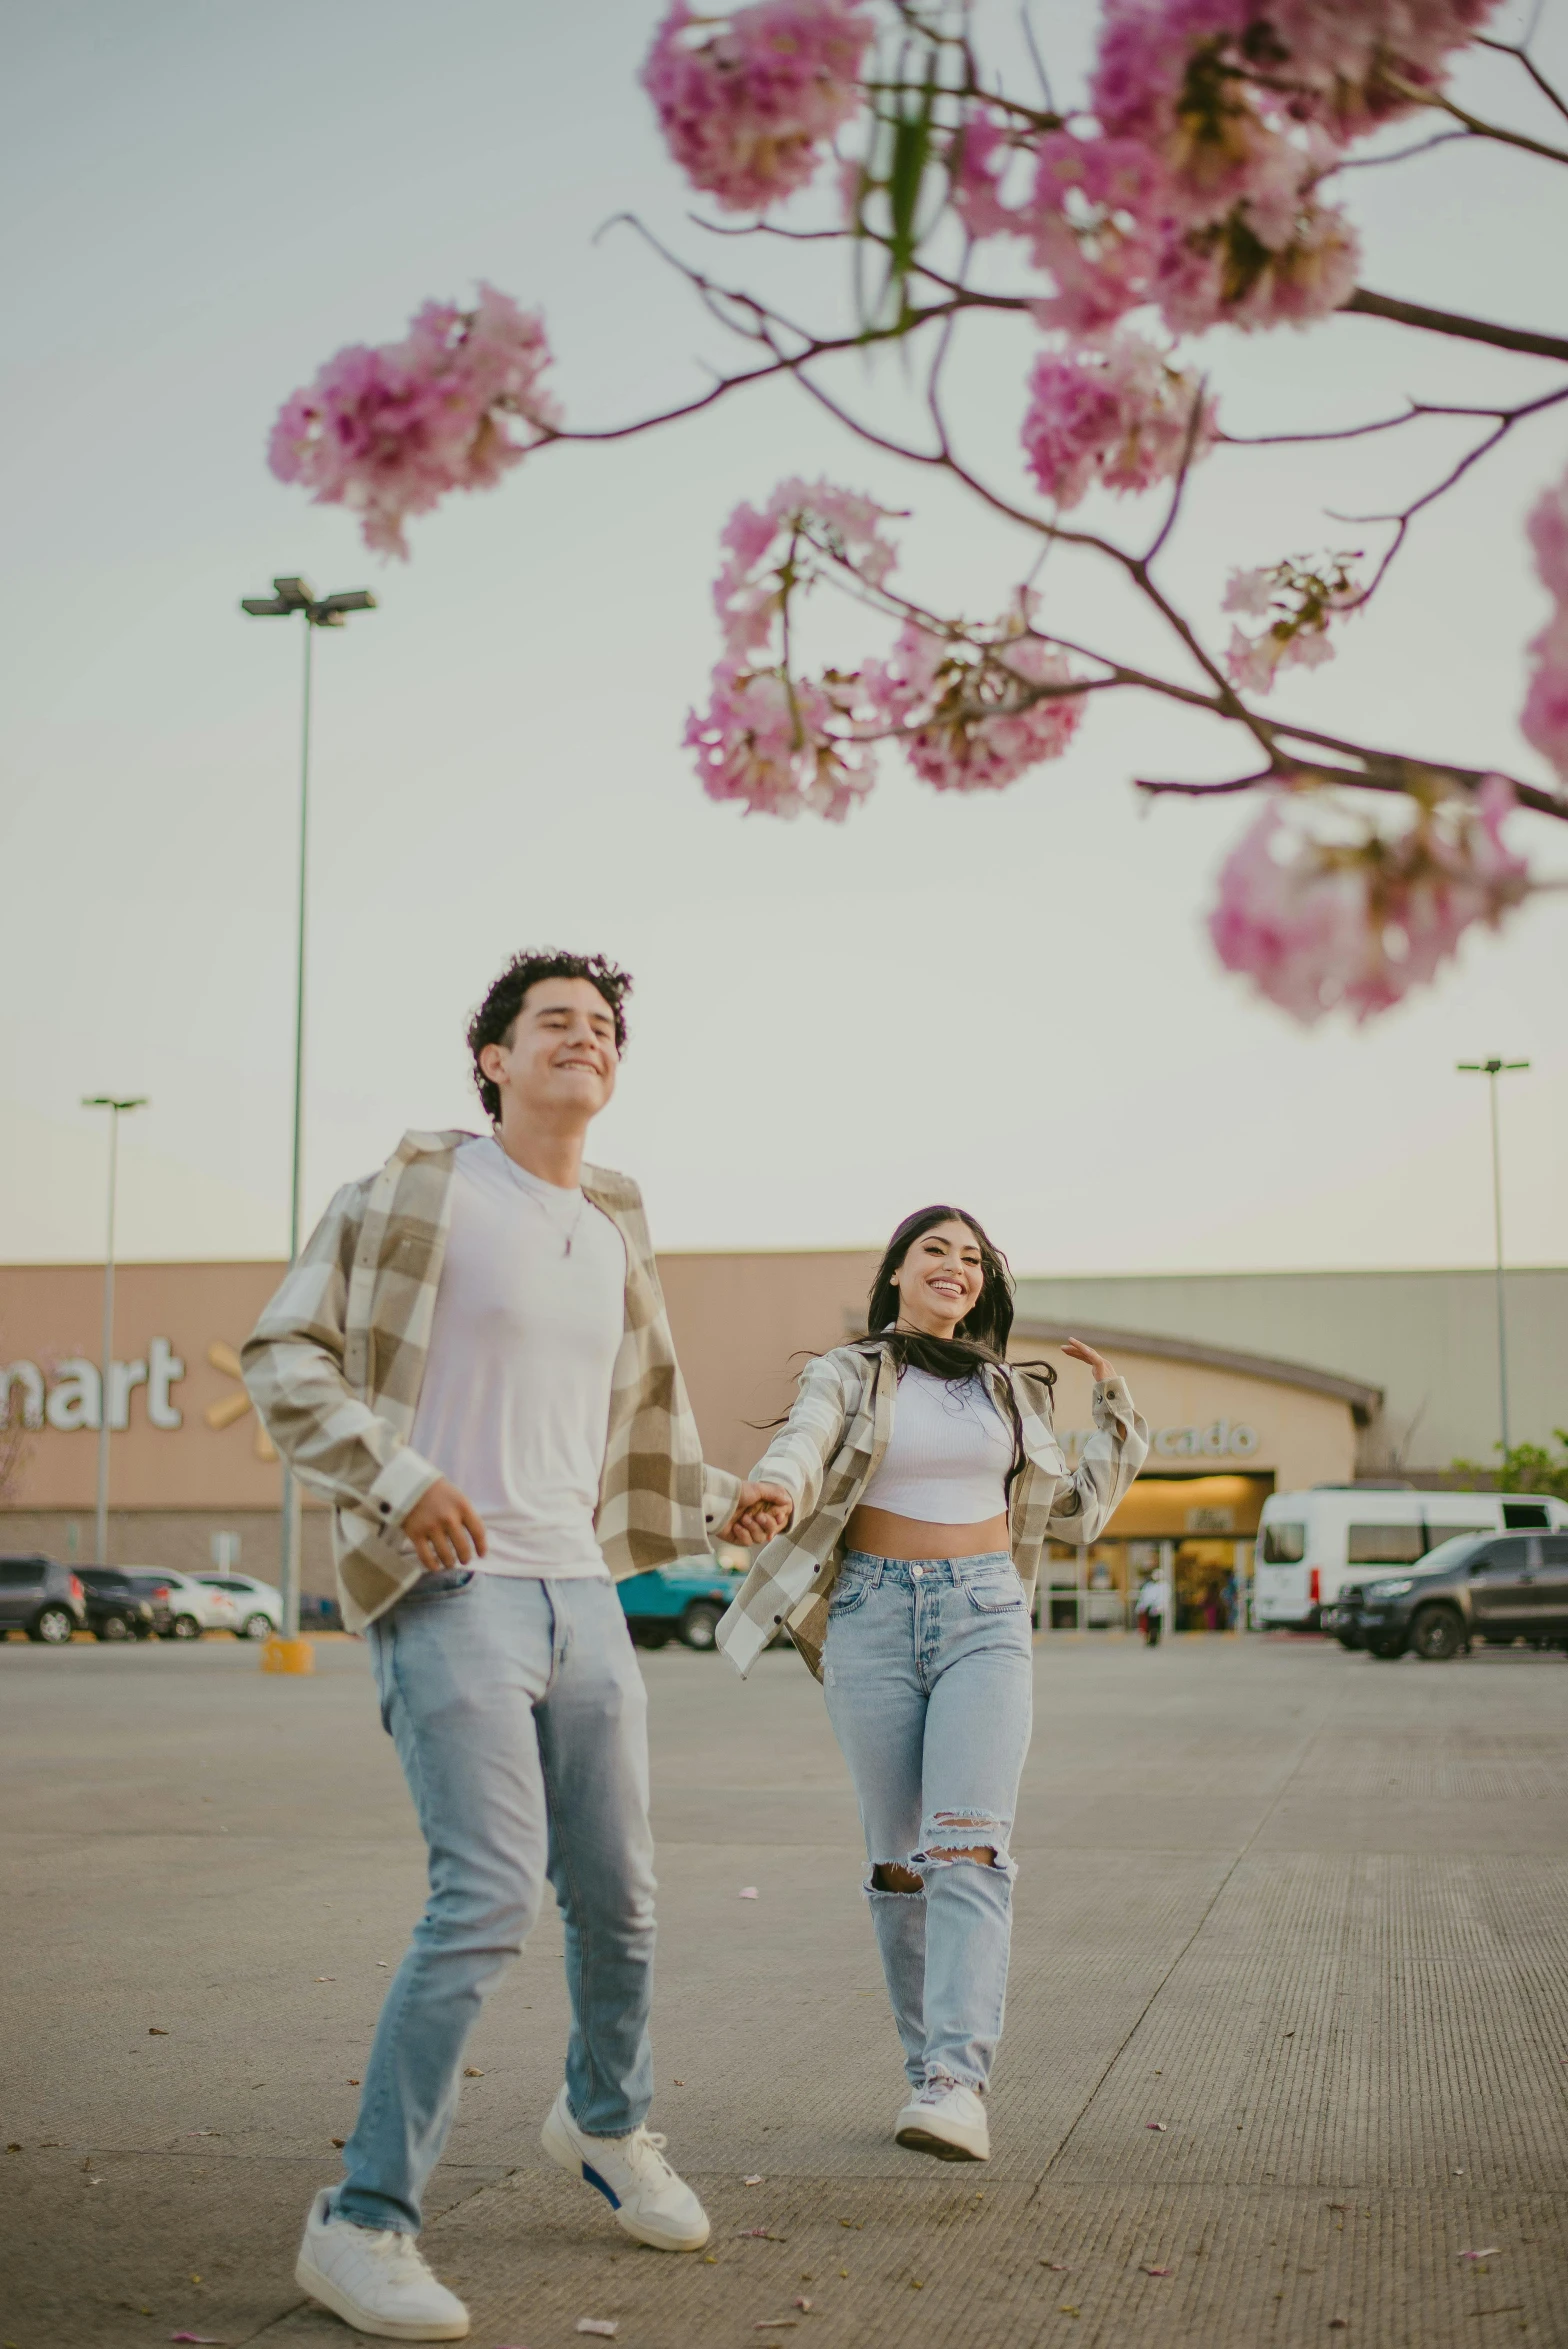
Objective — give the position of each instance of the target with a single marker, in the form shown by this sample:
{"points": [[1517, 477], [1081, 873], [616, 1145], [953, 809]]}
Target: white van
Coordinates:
{"points": [[1310, 1544]]}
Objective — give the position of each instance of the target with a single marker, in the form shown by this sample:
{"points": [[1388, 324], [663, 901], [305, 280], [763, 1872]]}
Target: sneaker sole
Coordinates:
{"points": [[321, 2288], [944, 2149], [642, 2230]]}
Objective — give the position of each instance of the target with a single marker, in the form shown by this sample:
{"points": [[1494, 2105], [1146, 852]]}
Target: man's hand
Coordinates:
{"points": [[445, 1528], [760, 1512]]}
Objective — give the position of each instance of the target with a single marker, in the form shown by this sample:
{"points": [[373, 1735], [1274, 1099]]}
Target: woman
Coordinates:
{"points": [[908, 1497]]}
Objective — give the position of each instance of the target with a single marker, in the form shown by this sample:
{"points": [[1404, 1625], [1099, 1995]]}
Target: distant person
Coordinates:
{"points": [[921, 1480], [471, 1360], [1153, 1604]]}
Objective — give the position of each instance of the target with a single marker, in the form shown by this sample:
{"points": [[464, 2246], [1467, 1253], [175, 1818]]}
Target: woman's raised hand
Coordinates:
{"points": [[1097, 1362]]}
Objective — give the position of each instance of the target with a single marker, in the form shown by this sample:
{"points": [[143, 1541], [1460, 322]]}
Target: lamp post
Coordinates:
{"points": [[1493, 1069], [329, 611], [117, 1109]]}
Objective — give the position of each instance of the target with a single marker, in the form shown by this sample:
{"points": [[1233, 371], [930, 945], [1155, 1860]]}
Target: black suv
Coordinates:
{"points": [[40, 1598], [115, 1609], [1496, 1587]]}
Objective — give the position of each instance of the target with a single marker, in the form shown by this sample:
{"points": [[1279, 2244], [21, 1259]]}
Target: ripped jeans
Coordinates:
{"points": [[929, 1679]]}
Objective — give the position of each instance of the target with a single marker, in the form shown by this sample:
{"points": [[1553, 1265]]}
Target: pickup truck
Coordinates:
{"points": [[683, 1602]]}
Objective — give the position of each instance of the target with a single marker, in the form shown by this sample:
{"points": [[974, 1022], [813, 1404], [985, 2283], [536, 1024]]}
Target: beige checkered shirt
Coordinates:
{"points": [[336, 1362], [831, 1448]]}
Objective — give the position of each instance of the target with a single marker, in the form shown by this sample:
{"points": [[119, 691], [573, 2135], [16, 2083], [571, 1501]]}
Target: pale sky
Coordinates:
{"points": [[1007, 1001]]}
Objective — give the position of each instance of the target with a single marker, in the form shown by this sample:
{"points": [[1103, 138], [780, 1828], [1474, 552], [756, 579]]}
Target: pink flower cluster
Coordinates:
{"points": [[974, 711], [1117, 414], [782, 743], [972, 708], [1544, 721], [1319, 924], [1298, 603], [388, 432], [747, 109], [1214, 123]]}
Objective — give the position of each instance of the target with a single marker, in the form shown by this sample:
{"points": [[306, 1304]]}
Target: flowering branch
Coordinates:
{"points": [[1188, 191]]}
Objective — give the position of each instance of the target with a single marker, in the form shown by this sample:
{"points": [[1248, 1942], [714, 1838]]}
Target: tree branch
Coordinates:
{"points": [[1287, 769], [1517, 49], [1472, 330]]}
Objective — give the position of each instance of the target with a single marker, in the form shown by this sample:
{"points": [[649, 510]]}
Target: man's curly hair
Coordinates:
{"points": [[492, 1023]]}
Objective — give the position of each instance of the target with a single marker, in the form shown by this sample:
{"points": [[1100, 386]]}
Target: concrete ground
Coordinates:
{"points": [[1304, 1911]]}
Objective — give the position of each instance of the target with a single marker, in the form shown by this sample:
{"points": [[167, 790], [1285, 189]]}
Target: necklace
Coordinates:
{"points": [[529, 1192]]}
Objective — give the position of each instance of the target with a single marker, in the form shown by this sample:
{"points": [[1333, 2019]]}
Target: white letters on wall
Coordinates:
{"points": [[1221, 1440], [71, 1397], [74, 1398], [30, 1379]]}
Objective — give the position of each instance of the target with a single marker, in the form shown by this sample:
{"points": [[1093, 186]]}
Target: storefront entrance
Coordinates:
{"points": [[1198, 1531]]}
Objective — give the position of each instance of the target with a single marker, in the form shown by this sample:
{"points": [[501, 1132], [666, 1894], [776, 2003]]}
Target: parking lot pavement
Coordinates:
{"points": [[1287, 2037]]}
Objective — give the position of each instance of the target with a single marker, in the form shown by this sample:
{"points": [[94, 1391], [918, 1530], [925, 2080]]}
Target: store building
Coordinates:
{"points": [[1250, 1384]]}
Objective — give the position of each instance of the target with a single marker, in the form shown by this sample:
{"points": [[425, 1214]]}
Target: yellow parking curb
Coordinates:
{"points": [[288, 1655]]}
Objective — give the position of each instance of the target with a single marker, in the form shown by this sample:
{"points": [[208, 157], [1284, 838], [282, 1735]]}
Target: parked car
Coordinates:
{"points": [[42, 1598], [1494, 1587], [115, 1608], [681, 1602], [258, 1607], [193, 1608], [1311, 1544], [148, 1584]]}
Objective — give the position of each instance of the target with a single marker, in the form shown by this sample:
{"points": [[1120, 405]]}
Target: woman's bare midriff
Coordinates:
{"points": [[882, 1533]]}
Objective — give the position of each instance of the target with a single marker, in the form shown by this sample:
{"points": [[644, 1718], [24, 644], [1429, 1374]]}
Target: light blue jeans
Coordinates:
{"points": [[520, 1719], [929, 1678]]}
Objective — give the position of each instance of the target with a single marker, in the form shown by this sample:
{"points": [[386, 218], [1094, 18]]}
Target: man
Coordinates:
{"points": [[1153, 1600], [471, 1360]]}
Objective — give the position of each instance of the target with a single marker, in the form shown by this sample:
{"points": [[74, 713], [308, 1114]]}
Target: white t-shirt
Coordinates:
{"points": [[515, 1405], [948, 1456]]}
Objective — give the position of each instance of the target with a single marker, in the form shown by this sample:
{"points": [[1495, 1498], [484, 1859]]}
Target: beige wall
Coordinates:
{"points": [[743, 1324], [1305, 1438], [50, 1312]]}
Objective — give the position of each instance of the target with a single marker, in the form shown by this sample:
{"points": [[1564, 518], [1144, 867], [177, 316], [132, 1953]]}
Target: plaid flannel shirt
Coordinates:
{"points": [[833, 1445], [336, 1362]]}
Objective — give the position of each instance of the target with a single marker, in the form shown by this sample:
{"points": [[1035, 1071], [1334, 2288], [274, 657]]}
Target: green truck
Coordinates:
{"points": [[683, 1601]]}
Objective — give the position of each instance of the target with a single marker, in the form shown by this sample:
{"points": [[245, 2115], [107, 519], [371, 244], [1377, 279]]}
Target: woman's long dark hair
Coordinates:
{"points": [[980, 1338]]}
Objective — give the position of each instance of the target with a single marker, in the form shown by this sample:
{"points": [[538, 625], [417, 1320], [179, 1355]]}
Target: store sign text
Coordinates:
{"points": [[71, 1395], [1222, 1439]]}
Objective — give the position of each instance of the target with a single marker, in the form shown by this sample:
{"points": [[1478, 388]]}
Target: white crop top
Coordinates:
{"points": [[948, 1456]]}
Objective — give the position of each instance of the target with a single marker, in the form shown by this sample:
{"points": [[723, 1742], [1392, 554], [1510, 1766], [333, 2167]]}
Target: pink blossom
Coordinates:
{"points": [[780, 742], [1227, 275], [389, 431], [808, 524], [779, 745], [1302, 600], [1544, 718], [1227, 91], [977, 160], [1099, 221], [1118, 414], [1318, 922], [960, 709], [1548, 533], [747, 101], [1343, 61]]}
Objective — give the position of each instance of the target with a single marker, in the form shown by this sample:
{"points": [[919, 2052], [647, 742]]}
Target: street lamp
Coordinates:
{"points": [[117, 1109], [1493, 1069], [329, 611]]}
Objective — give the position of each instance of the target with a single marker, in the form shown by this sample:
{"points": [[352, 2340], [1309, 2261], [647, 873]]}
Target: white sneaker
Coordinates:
{"points": [[375, 2280], [636, 2181], [946, 2120]]}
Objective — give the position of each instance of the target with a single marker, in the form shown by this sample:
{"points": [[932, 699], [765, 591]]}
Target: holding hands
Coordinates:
{"points": [[761, 1512]]}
